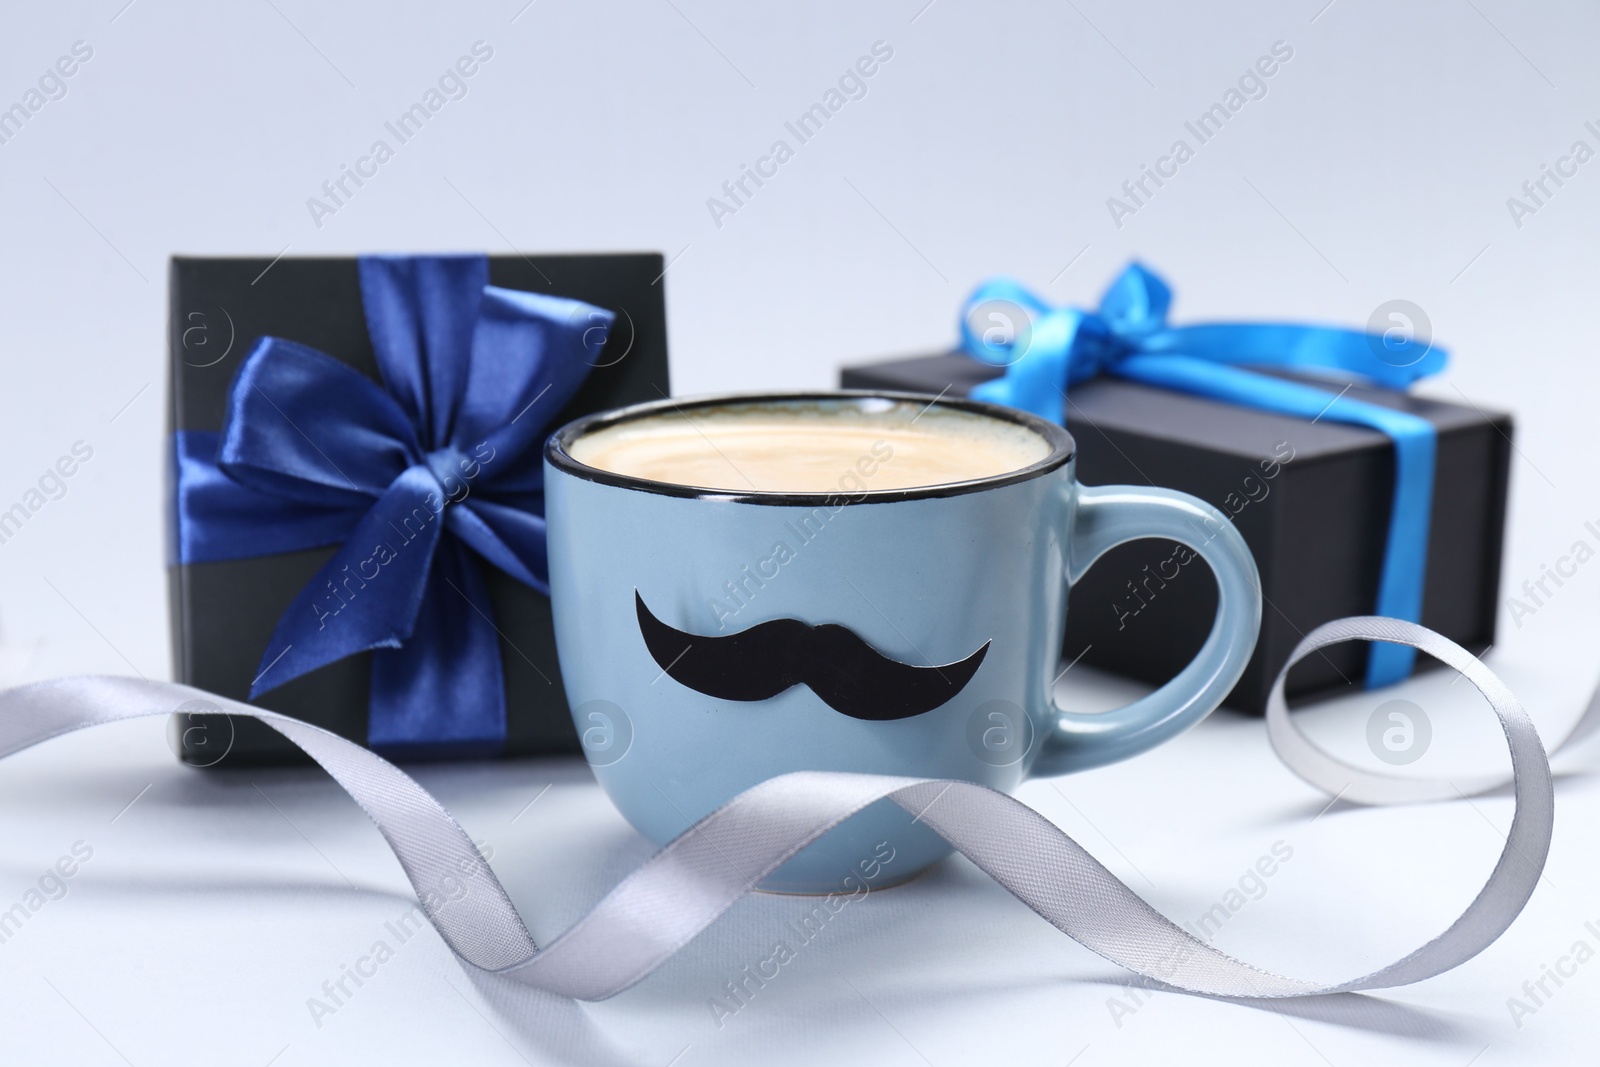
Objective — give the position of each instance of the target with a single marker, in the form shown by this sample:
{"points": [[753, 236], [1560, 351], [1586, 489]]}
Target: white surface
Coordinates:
{"points": [[1377, 167]]}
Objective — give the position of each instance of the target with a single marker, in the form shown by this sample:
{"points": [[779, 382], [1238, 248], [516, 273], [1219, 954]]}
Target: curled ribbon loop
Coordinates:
{"points": [[665, 903], [1046, 350]]}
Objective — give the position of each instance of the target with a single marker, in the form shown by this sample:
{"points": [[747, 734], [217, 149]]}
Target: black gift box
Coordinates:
{"points": [[1312, 500], [223, 613]]}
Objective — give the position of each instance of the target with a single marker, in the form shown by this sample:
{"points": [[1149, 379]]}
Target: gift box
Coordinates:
{"points": [[1315, 499], [355, 494]]}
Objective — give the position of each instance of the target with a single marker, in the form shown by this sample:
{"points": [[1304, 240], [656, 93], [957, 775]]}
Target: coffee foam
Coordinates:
{"points": [[813, 446]]}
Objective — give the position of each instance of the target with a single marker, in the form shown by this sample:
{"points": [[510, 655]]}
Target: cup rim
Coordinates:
{"points": [[557, 451]]}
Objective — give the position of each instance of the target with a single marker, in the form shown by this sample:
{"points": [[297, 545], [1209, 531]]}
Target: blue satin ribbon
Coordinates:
{"points": [[413, 479], [1128, 337]]}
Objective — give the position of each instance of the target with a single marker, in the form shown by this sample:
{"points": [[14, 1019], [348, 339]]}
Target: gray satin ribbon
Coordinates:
{"points": [[680, 891]]}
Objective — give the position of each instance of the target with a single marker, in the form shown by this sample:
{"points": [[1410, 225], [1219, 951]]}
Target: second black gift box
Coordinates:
{"points": [[1312, 499]]}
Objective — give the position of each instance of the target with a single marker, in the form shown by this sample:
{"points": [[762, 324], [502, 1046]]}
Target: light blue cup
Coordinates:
{"points": [[925, 576]]}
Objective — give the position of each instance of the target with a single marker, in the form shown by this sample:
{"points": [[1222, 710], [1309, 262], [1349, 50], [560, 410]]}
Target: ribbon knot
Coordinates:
{"points": [[416, 480], [1047, 350], [446, 465], [1005, 322]]}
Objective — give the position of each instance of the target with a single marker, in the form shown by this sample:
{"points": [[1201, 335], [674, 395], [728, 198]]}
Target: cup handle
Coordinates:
{"points": [[1107, 516]]}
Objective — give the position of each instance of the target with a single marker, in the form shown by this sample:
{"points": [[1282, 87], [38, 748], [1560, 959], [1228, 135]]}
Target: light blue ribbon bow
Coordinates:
{"points": [[1128, 337]]}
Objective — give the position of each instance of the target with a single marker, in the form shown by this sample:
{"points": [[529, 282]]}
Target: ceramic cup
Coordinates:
{"points": [[926, 577]]}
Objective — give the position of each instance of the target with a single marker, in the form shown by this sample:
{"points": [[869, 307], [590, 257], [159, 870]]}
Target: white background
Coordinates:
{"points": [[1377, 167]]}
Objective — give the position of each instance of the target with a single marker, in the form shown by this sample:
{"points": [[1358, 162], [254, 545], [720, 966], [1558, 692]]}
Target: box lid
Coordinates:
{"points": [[1182, 418]]}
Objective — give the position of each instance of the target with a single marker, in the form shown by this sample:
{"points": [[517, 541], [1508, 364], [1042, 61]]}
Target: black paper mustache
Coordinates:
{"points": [[849, 675]]}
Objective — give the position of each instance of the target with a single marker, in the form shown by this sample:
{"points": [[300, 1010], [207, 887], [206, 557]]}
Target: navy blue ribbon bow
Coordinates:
{"points": [[406, 477], [1047, 350]]}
